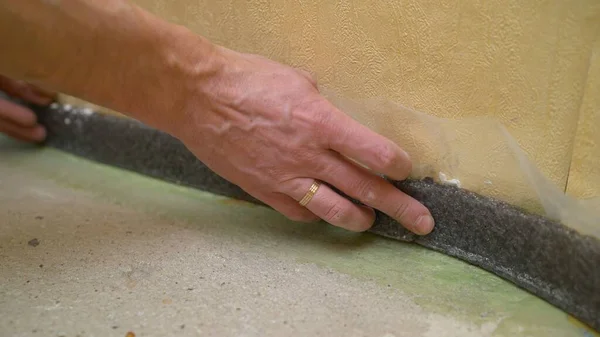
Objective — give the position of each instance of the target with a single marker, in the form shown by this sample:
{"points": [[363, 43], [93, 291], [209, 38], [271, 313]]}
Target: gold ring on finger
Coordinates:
{"points": [[311, 193]]}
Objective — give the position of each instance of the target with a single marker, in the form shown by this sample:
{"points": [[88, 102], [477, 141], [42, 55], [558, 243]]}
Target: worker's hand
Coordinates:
{"points": [[16, 120], [267, 129]]}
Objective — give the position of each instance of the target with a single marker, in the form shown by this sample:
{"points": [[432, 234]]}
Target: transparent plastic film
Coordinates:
{"points": [[477, 154]]}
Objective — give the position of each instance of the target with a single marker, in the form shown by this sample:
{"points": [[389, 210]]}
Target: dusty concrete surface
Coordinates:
{"points": [[87, 250]]}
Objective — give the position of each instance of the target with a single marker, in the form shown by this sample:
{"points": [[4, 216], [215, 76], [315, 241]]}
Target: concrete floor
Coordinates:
{"points": [[117, 252]]}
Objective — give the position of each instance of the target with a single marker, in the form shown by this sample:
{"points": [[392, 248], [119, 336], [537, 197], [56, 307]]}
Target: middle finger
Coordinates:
{"points": [[374, 191]]}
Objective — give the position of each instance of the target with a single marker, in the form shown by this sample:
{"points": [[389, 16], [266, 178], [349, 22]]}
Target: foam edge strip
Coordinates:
{"points": [[537, 254]]}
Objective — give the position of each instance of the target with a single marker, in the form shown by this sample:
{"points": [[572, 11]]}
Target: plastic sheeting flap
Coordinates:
{"points": [[478, 153]]}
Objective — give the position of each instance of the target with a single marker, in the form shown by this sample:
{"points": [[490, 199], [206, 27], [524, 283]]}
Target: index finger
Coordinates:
{"points": [[356, 141]]}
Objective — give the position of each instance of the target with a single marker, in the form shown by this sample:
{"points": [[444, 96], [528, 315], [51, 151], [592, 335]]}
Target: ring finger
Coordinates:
{"points": [[378, 193], [332, 207]]}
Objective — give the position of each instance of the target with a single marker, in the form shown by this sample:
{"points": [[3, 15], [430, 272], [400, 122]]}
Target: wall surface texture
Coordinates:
{"points": [[584, 178], [526, 63]]}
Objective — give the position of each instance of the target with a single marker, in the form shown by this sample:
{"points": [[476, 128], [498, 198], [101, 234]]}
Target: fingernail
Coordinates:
{"points": [[404, 165], [405, 155], [424, 224]]}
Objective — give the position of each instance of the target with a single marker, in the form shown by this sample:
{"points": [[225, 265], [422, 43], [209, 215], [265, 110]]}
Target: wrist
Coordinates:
{"points": [[133, 62], [189, 65], [164, 69]]}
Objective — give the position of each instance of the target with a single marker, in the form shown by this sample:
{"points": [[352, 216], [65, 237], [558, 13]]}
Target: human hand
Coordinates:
{"points": [[267, 129], [16, 120]]}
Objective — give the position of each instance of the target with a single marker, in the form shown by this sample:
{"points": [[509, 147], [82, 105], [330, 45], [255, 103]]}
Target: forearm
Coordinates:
{"points": [[109, 52]]}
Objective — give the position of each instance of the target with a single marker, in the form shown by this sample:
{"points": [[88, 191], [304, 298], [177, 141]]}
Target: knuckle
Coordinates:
{"points": [[322, 119], [322, 115], [336, 213], [367, 191], [401, 210], [387, 157], [291, 186]]}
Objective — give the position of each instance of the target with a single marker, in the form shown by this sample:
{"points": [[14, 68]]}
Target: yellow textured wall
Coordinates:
{"points": [[584, 177], [523, 62]]}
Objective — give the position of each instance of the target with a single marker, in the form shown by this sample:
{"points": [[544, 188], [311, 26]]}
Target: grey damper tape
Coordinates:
{"points": [[540, 255]]}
